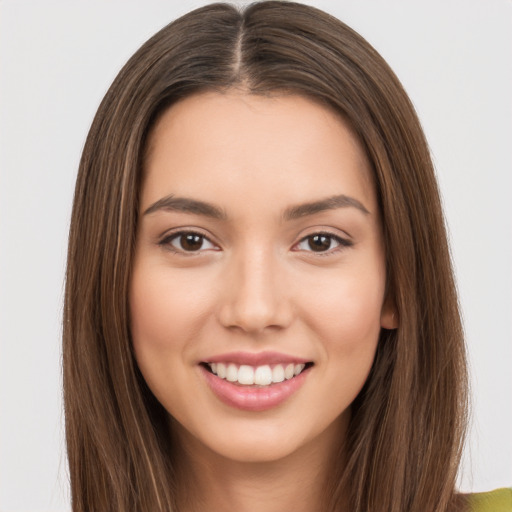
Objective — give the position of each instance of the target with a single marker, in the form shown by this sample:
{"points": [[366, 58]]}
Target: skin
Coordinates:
{"points": [[255, 284]]}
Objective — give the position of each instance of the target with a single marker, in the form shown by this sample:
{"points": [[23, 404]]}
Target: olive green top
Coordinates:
{"points": [[499, 500]]}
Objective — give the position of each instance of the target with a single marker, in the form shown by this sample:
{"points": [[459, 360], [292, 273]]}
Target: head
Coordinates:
{"points": [[408, 414]]}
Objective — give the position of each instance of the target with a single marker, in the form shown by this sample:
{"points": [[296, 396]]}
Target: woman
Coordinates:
{"points": [[260, 309]]}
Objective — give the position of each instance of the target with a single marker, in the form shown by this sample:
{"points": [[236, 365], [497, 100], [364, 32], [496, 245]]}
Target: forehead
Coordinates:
{"points": [[234, 144]]}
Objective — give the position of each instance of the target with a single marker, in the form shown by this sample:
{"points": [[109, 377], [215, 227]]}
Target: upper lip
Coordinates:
{"points": [[256, 358]]}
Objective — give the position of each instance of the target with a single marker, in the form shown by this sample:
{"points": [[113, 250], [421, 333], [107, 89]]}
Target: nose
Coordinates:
{"points": [[255, 296]]}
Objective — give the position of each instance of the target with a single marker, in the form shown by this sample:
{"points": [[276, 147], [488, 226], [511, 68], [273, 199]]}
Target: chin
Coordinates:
{"points": [[264, 441], [262, 450]]}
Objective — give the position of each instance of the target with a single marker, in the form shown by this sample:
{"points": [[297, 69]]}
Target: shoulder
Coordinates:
{"points": [[499, 500]]}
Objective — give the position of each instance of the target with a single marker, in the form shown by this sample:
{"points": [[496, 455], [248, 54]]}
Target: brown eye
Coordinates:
{"points": [[322, 243], [191, 242], [187, 241], [319, 243]]}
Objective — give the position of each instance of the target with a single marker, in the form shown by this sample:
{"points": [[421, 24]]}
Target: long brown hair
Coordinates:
{"points": [[405, 436]]}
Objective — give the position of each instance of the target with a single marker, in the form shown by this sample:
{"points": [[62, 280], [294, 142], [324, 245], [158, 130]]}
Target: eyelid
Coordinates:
{"points": [[343, 242], [169, 236]]}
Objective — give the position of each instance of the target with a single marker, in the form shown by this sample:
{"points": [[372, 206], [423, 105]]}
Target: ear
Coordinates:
{"points": [[388, 314]]}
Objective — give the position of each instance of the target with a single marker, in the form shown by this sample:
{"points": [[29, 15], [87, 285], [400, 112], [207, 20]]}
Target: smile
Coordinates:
{"points": [[266, 375], [255, 382]]}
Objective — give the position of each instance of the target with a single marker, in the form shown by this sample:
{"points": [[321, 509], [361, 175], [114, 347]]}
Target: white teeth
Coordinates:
{"points": [[232, 373], [246, 375], [261, 375], [278, 373], [221, 370], [298, 368]]}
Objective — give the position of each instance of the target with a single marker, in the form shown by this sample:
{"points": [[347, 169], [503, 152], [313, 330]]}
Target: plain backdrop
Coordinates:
{"points": [[57, 59]]}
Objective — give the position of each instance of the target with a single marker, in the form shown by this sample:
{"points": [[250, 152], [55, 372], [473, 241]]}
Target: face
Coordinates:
{"points": [[258, 287]]}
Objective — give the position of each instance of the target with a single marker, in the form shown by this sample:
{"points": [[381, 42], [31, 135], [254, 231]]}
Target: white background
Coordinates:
{"points": [[57, 59]]}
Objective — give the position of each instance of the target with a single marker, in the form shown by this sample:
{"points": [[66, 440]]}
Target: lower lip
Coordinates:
{"points": [[252, 398]]}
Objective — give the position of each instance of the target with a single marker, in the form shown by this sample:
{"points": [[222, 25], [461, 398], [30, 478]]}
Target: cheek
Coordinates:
{"points": [[344, 315], [163, 320], [165, 308], [152, 311], [166, 315], [347, 323], [149, 325], [348, 309]]}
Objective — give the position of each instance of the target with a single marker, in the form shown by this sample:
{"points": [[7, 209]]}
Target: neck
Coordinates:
{"points": [[298, 482]]}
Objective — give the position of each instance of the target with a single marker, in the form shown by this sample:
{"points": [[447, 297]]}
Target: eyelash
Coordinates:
{"points": [[343, 243], [167, 242]]}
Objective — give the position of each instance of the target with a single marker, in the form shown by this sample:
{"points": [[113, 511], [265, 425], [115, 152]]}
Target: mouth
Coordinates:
{"points": [[256, 376], [255, 382]]}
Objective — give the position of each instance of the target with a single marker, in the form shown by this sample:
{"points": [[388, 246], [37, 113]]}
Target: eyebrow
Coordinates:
{"points": [[187, 205], [329, 203]]}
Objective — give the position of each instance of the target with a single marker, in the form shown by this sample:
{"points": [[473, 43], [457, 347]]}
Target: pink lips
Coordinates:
{"points": [[254, 398], [255, 359]]}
